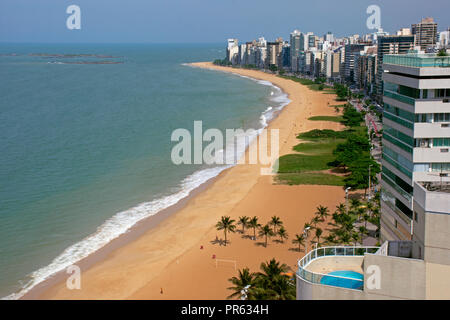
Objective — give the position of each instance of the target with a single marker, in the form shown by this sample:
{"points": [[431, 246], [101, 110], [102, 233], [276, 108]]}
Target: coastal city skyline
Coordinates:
{"points": [[183, 22]]}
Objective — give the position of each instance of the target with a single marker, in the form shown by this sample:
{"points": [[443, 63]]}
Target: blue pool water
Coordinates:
{"points": [[352, 280]]}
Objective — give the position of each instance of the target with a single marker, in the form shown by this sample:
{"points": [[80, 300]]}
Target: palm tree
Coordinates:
{"points": [[275, 222], [360, 212], [307, 226], [283, 234], [370, 207], [300, 240], [227, 225], [244, 222], [331, 238], [340, 209], [253, 223], [355, 238], [273, 281], [242, 282], [318, 235], [266, 231], [366, 219], [362, 231], [315, 221], [322, 213], [354, 204], [272, 269], [345, 237]]}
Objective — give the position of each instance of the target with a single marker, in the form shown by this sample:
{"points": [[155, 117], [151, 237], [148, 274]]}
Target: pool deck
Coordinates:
{"points": [[328, 264]]}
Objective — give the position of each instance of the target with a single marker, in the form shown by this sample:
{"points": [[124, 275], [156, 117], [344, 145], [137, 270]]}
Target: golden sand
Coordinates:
{"points": [[169, 256]]}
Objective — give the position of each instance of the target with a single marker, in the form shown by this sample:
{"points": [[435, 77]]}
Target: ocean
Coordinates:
{"points": [[85, 143]]}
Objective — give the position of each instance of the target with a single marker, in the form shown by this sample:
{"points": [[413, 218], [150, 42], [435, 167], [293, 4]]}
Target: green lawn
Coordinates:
{"points": [[318, 147], [327, 118], [311, 84], [315, 154], [311, 178], [302, 163]]}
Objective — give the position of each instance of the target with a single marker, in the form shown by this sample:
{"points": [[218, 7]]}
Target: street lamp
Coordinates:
{"points": [[244, 292], [346, 198]]}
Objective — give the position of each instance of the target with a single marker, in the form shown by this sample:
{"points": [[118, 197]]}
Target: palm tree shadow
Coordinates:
{"points": [[260, 244], [218, 241], [247, 236], [295, 249]]}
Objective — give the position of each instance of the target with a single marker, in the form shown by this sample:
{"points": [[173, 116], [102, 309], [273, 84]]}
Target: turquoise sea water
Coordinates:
{"points": [[85, 143]]}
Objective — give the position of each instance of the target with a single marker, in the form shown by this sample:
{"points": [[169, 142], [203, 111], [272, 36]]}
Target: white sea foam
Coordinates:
{"points": [[114, 227], [123, 221]]}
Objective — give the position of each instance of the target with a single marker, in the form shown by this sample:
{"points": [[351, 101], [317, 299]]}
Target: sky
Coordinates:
{"points": [[204, 21]]}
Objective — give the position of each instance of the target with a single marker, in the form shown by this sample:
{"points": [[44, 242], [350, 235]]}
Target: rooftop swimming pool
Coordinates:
{"points": [[344, 279]]}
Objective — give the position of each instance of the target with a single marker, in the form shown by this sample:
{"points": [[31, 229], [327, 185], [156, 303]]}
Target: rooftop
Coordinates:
{"points": [[436, 186], [336, 266], [417, 60]]}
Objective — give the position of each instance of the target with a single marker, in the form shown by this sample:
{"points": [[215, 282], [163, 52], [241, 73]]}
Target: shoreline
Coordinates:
{"points": [[105, 260], [147, 223]]}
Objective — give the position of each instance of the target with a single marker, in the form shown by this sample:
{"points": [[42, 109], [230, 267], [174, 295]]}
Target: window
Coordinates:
{"points": [[438, 167], [406, 187], [415, 217], [441, 142], [403, 90], [399, 135], [425, 94], [399, 112], [442, 117], [410, 92], [442, 93], [421, 167], [423, 143], [403, 208]]}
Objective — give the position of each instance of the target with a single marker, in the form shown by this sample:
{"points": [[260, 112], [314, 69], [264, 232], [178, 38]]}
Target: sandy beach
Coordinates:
{"points": [[176, 254]]}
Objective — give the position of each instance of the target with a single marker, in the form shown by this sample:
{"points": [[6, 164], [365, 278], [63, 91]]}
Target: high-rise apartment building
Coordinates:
{"points": [[274, 50], [233, 51], [365, 71], [413, 261], [404, 32], [425, 33], [295, 49], [390, 45], [416, 136], [351, 52], [444, 39]]}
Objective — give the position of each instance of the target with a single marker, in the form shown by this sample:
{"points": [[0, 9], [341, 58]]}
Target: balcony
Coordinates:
{"points": [[433, 196], [417, 61], [339, 266], [427, 155], [399, 97], [434, 129]]}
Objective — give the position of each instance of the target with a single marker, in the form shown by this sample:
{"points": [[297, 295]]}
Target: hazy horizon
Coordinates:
{"points": [[202, 21]]}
